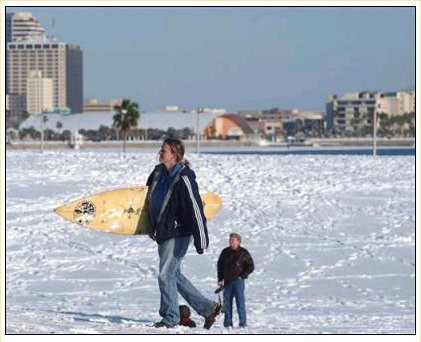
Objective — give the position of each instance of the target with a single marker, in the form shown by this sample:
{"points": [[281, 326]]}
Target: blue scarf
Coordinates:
{"points": [[161, 189]]}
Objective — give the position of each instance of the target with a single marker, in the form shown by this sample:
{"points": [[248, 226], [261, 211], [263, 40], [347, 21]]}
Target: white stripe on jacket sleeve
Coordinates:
{"points": [[196, 213]]}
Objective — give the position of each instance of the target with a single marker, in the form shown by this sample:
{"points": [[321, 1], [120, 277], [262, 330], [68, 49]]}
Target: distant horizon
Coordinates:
{"points": [[242, 58], [181, 109]]}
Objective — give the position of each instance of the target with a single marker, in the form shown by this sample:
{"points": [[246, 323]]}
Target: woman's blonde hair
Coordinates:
{"points": [[177, 147]]}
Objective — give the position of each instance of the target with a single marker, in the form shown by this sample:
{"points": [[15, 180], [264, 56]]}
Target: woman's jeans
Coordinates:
{"points": [[171, 281], [235, 289]]}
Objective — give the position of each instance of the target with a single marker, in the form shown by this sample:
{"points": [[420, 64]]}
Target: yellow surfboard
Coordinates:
{"points": [[122, 211]]}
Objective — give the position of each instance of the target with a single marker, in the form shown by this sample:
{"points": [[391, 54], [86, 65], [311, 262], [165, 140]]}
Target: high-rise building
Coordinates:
{"points": [[21, 26], [30, 50], [16, 104], [39, 93], [9, 17], [74, 78], [24, 26], [58, 61]]}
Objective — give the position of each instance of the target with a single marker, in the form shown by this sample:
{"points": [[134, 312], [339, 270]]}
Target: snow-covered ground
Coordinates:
{"points": [[333, 239]]}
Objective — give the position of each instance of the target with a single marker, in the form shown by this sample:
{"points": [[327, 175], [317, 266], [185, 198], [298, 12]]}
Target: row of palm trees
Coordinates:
{"points": [[388, 125]]}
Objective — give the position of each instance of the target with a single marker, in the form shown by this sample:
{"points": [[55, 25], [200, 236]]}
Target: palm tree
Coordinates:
{"points": [[126, 118], [400, 121]]}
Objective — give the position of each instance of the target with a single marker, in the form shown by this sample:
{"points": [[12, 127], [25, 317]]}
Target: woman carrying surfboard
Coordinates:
{"points": [[176, 214]]}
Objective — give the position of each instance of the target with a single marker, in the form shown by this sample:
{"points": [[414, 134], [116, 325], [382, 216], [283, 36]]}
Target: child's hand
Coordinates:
{"points": [[221, 283]]}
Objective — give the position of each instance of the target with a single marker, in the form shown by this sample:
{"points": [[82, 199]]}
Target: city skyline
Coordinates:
{"points": [[237, 58]]}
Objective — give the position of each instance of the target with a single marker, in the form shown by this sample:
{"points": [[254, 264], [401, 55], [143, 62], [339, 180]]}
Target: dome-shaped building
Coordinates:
{"points": [[228, 126]]}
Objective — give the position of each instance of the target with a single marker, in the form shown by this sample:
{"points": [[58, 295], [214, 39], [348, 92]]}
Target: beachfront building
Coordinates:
{"points": [[271, 127], [268, 123], [39, 93], [350, 111], [396, 103], [277, 123], [228, 126], [93, 106], [353, 112], [313, 121], [310, 123]]}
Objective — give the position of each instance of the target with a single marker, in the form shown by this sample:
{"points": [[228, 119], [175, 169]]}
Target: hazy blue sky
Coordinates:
{"points": [[237, 58]]}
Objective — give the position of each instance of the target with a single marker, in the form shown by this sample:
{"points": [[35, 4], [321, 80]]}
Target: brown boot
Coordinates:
{"points": [[212, 317]]}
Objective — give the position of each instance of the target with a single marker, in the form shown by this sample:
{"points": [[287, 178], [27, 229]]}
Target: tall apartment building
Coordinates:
{"points": [[28, 49], [58, 61], [39, 93], [22, 26], [9, 17], [16, 104], [355, 110], [74, 78]]}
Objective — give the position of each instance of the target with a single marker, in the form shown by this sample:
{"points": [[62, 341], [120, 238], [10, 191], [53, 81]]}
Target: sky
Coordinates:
{"points": [[238, 58]]}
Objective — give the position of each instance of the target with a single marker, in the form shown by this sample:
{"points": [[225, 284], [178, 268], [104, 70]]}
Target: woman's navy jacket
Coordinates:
{"points": [[181, 213]]}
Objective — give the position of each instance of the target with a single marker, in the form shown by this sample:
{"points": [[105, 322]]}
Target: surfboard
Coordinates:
{"points": [[122, 211]]}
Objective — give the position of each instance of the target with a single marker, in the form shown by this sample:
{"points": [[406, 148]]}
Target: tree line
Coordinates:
{"points": [[105, 133]]}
